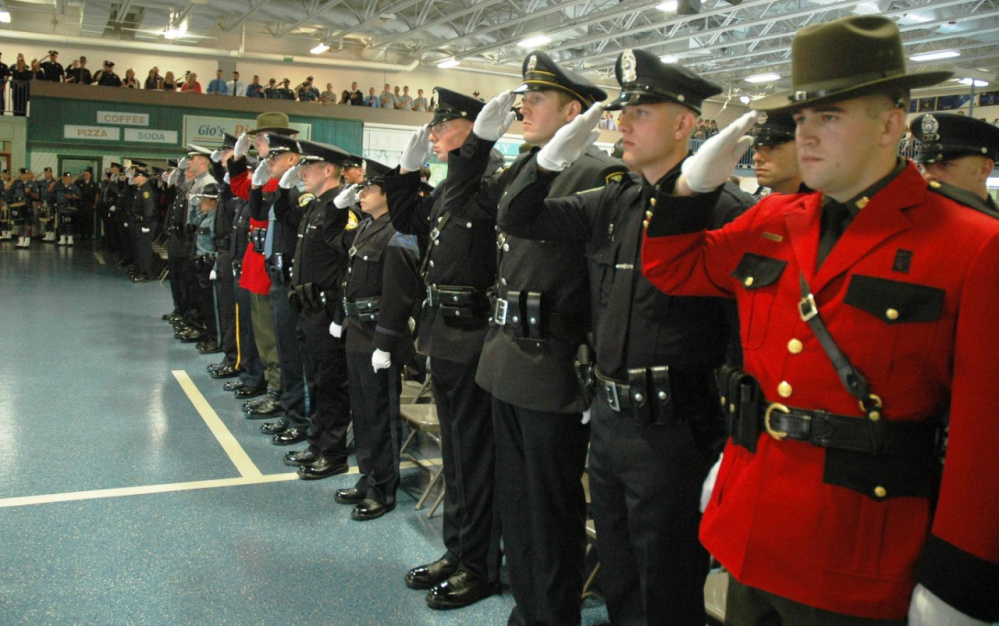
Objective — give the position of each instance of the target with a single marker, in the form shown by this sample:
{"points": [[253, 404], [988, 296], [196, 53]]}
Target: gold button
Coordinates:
{"points": [[891, 314], [874, 416], [748, 282], [648, 214], [652, 201], [784, 389], [880, 491], [794, 346]]}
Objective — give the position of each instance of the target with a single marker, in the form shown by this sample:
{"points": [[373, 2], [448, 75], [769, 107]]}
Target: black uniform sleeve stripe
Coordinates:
{"points": [[964, 581]]}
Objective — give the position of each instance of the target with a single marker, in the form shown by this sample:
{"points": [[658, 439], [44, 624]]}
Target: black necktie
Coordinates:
{"points": [[835, 218]]}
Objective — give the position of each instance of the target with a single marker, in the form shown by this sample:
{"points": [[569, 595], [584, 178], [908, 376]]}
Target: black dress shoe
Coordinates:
{"points": [[426, 576], [246, 392], [262, 410], [322, 467], [214, 367], [233, 385], [460, 590], [226, 371], [349, 496], [290, 436], [210, 348], [191, 336], [140, 278], [274, 428], [298, 459], [369, 509]]}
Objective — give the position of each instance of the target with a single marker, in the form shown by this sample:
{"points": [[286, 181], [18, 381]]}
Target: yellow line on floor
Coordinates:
{"points": [[99, 257], [118, 492], [236, 453]]}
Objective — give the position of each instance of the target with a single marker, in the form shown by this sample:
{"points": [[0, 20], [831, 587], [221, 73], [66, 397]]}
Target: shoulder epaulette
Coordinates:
{"points": [[963, 197]]}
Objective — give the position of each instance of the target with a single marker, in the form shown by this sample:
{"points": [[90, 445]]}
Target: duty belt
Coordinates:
{"points": [[522, 312], [363, 309], [458, 301], [647, 396]]}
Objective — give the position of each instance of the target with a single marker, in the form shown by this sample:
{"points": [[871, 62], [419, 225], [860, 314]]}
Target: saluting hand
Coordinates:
{"points": [[346, 198], [242, 146], [415, 154], [495, 118], [290, 179], [717, 157], [571, 141], [261, 175]]}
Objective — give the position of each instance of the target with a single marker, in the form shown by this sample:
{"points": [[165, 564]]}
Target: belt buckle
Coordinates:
{"points": [[613, 400], [776, 434], [434, 234], [807, 309], [499, 316]]}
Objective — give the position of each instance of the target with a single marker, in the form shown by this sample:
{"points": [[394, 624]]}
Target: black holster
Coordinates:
{"points": [[741, 400], [652, 396]]}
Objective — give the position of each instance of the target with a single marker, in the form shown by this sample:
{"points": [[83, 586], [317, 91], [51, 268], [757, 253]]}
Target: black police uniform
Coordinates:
{"points": [[20, 89], [111, 191], [947, 136], [52, 71], [89, 191], [378, 299], [175, 225], [458, 251], [23, 196], [285, 93], [145, 220], [225, 292], [528, 368], [106, 77], [67, 207]]}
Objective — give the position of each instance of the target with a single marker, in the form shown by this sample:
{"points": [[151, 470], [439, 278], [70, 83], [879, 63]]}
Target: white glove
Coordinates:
{"points": [[346, 198], [380, 360], [261, 175], [182, 164], [212, 275], [926, 609], [586, 417], [174, 176], [415, 154], [144, 230], [290, 178], [571, 141], [495, 118], [336, 330], [217, 156], [225, 179], [709, 483], [242, 146], [717, 157]]}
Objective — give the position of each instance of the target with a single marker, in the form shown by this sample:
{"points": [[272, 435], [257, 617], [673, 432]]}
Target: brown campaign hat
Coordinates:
{"points": [[273, 122], [847, 58]]}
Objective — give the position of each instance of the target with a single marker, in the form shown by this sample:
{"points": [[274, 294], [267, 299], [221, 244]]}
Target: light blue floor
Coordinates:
{"points": [[88, 402]]}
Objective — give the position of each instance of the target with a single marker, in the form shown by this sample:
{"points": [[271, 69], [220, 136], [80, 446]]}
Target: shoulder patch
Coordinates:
{"points": [[145, 195], [400, 240], [614, 177], [305, 199], [352, 221], [962, 197]]}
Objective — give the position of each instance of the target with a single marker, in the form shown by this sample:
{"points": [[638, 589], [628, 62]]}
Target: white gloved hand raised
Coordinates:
{"points": [[242, 146], [586, 417], [495, 118], [717, 157], [380, 360], [174, 176], [926, 609], [225, 179], [415, 154], [346, 198], [213, 275], [709, 483], [290, 179], [182, 164], [336, 330], [571, 141], [261, 175], [217, 156]]}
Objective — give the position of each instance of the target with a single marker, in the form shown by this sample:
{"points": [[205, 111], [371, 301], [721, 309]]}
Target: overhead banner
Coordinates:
{"points": [[207, 130]]}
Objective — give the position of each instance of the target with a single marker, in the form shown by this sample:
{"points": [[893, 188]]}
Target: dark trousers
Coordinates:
{"points": [[374, 403], [143, 246], [471, 524], [225, 294], [67, 224], [125, 236], [206, 305], [181, 301], [251, 368], [540, 459], [262, 318], [645, 484], [326, 366], [749, 606], [296, 391]]}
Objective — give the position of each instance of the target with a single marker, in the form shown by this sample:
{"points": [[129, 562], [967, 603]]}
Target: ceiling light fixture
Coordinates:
{"points": [[534, 42], [668, 7], [974, 82], [762, 78], [447, 64], [321, 48], [4, 16], [935, 56], [669, 58]]}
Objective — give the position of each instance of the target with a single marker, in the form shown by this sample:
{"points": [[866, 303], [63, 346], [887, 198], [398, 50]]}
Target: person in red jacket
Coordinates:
{"points": [[867, 317]]}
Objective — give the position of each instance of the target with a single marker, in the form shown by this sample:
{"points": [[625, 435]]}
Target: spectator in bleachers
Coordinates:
{"points": [[51, 69], [345, 98], [217, 86], [270, 91], [169, 82], [130, 82], [78, 73], [4, 74], [106, 77], [236, 87], [191, 85], [420, 103], [328, 96], [285, 91], [405, 101], [153, 79], [356, 96], [386, 98], [36, 70], [255, 89], [373, 100], [20, 76], [307, 92]]}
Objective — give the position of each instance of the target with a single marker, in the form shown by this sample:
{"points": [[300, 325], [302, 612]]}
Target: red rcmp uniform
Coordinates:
{"points": [[925, 338], [254, 276]]}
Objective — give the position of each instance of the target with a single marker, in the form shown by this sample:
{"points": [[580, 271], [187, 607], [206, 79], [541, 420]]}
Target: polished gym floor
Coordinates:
{"points": [[133, 491]]}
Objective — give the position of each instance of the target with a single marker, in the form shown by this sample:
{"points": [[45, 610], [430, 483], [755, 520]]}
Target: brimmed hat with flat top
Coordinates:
{"points": [[273, 122], [847, 58]]}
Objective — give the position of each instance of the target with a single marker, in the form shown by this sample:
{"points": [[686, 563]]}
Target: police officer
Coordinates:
{"points": [[540, 321], [52, 70], [203, 205], [89, 195], [145, 221], [317, 274], [960, 151], [105, 77], [379, 295], [285, 92], [23, 194], [775, 157], [458, 268], [45, 209], [863, 324], [225, 293], [197, 315], [656, 425], [67, 197]]}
